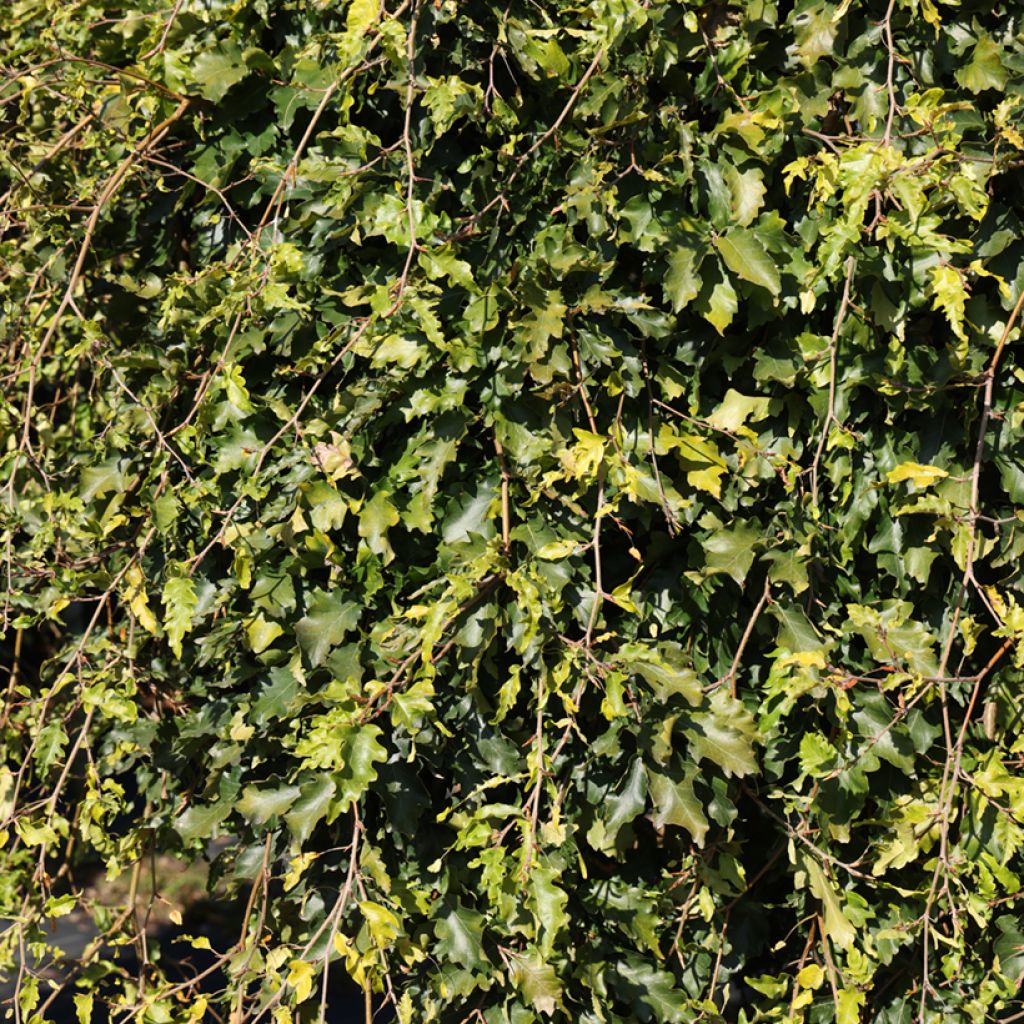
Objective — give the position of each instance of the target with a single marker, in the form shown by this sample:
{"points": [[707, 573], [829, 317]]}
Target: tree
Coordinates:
{"points": [[542, 480]]}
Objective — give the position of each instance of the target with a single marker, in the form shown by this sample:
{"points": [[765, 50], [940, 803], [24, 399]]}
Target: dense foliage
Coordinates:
{"points": [[543, 480]]}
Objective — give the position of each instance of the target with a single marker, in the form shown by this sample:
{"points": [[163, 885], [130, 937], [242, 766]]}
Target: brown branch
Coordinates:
{"points": [[505, 511], [730, 676], [159, 48], [410, 186], [830, 414], [889, 87], [534, 802]]}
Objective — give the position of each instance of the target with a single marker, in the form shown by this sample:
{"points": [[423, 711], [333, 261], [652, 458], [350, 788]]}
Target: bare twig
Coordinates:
{"points": [[505, 511], [830, 414], [889, 86], [159, 48], [501, 197], [730, 676]]}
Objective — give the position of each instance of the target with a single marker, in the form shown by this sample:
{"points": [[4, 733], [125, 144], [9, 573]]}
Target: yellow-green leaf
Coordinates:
{"points": [[261, 633], [556, 549], [921, 475], [300, 977], [138, 599], [849, 1005], [810, 976], [180, 602], [837, 925], [382, 924], [949, 295], [361, 15]]}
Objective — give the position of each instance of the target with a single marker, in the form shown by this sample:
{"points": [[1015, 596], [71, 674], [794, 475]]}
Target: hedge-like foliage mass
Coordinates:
{"points": [[544, 480]]}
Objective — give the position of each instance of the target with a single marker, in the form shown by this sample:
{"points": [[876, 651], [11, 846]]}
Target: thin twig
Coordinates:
{"points": [[889, 87], [830, 414], [505, 511], [111, 187], [730, 676], [159, 48]]}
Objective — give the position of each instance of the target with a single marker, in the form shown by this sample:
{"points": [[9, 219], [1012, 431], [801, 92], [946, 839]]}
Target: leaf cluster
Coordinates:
{"points": [[530, 492]]}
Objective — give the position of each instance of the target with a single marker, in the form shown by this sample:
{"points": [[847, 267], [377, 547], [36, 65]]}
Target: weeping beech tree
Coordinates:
{"points": [[531, 493]]}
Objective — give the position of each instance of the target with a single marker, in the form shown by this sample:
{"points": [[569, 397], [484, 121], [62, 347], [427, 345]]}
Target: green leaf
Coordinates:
{"points": [[651, 992], [720, 306], [259, 805], [382, 924], [724, 735], [165, 511], [310, 808], [376, 518], [817, 756], [922, 476], [665, 670], [735, 409], [360, 753], [328, 508], [361, 15], [985, 69], [699, 456], [745, 255], [950, 296], [238, 450], [546, 322], [873, 719], [891, 637], [748, 192], [548, 903], [448, 98], [60, 906], [1009, 948], [556, 550], [789, 567], [810, 976], [300, 978], [273, 592], [35, 834], [537, 981], [552, 58], [460, 938], [235, 388], [102, 479], [675, 803], [51, 742], [849, 1006], [278, 697], [83, 1007], [137, 597], [217, 70], [508, 694], [325, 625], [731, 552], [620, 808], [200, 820], [682, 282]]}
